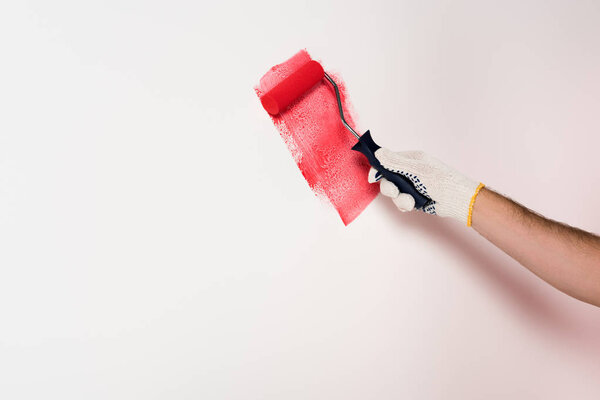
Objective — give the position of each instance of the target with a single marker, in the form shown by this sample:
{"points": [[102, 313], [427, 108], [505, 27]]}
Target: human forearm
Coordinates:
{"points": [[565, 257]]}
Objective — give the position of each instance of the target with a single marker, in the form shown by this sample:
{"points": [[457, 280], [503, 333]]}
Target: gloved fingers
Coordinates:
{"points": [[404, 201], [374, 175], [406, 161], [399, 156], [388, 189]]}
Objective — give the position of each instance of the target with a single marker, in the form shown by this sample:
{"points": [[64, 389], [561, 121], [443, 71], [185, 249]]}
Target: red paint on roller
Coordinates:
{"points": [[321, 146], [278, 98]]}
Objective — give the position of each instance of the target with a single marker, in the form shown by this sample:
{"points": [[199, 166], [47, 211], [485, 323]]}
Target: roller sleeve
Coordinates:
{"points": [[299, 82]]}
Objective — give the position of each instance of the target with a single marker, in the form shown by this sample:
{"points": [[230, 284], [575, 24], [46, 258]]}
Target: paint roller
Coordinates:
{"points": [[303, 79]]}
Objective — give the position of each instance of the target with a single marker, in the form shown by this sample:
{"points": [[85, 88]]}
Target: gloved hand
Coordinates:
{"points": [[453, 194]]}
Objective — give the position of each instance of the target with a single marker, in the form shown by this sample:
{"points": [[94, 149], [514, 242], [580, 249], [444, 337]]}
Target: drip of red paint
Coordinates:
{"points": [[320, 144]]}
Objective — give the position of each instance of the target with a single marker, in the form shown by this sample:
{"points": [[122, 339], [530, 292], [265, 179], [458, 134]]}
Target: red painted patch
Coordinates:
{"points": [[312, 129]]}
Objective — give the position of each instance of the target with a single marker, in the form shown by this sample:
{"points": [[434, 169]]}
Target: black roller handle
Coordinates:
{"points": [[368, 147]]}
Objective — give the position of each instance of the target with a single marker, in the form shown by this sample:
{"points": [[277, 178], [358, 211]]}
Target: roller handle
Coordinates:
{"points": [[367, 146]]}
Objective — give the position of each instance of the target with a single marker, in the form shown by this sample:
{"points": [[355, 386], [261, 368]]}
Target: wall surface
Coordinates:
{"points": [[157, 240]]}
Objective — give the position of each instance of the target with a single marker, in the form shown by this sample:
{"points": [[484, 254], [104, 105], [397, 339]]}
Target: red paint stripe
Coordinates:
{"points": [[314, 134]]}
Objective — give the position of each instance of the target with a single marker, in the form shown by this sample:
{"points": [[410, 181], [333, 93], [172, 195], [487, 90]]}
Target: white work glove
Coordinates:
{"points": [[453, 194]]}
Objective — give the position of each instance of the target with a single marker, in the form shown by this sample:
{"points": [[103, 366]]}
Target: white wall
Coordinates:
{"points": [[158, 242]]}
